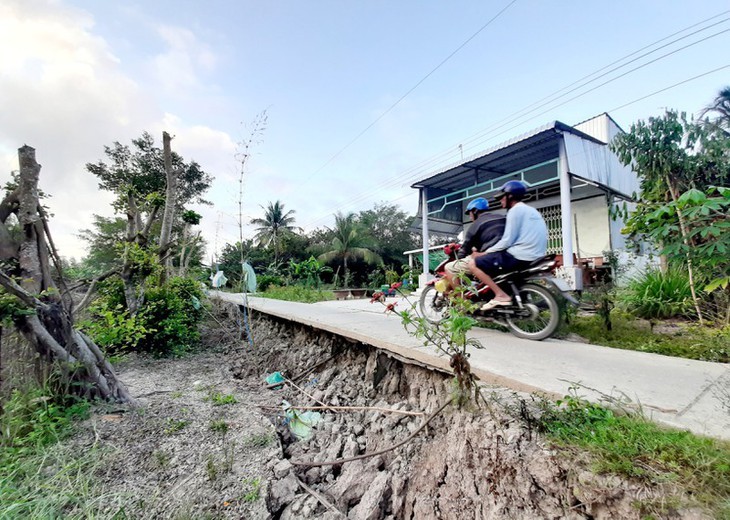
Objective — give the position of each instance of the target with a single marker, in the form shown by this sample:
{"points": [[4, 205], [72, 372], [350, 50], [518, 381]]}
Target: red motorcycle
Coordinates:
{"points": [[534, 312]]}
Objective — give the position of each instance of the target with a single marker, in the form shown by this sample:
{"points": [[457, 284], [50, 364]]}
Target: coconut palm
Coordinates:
{"points": [[350, 243], [720, 107], [276, 222]]}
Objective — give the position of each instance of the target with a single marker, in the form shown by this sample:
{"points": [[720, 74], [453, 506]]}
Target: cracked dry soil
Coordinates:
{"points": [[169, 461]]}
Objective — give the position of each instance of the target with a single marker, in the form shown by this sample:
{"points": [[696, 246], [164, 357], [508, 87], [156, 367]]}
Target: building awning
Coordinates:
{"points": [[535, 147]]}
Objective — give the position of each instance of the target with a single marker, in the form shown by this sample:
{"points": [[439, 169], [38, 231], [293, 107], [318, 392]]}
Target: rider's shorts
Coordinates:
{"points": [[498, 262], [459, 266]]}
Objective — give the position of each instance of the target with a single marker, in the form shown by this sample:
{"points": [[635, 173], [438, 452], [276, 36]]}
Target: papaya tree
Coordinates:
{"points": [[674, 155]]}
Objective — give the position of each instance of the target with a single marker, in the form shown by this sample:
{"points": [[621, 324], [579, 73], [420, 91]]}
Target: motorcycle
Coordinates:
{"points": [[534, 313]]}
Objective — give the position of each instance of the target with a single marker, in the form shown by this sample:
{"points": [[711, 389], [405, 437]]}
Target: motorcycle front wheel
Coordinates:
{"points": [[540, 315], [432, 306]]}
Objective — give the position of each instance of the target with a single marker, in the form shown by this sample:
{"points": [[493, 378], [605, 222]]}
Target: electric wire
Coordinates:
{"points": [[614, 109], [490, 135], [414, 87], [552, 97]]}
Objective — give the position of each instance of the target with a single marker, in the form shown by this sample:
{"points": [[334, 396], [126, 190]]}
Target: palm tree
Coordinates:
{"points": [[720, 106], [349, 243], [275, 223]]}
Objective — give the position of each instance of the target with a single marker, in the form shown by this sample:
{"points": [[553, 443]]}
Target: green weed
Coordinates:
{"points": [[220, 399], [688, 342], [42, 478], [298, 293], [631, 446], [659, 295], [219, 426], [253, 494], [176, 395], [175, 425], [259, 440]]}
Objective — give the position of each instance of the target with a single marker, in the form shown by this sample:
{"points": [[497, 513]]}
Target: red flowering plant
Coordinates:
{"points": [[448, 335]]}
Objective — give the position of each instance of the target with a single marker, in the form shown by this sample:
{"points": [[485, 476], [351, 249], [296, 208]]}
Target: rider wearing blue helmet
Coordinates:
{"points": [[524, 240], [485, 230]]}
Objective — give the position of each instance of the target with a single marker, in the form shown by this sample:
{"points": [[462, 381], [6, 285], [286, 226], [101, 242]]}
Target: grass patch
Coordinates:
{"points": [[175, 425], [692, 342], [219, 399], [219, 426], [298, 293], [634, 447], [259, 440], [40, 477], [254, 488]]}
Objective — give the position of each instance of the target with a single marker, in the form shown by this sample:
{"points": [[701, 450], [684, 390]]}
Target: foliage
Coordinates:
{"points": [[681, 163], [265, 281], [656, 294], [140, 170], [166, 323], [308, 271], [692, 342], [11, 308], [275, 224], [298, 293], [634, 447], [219, 399], [39, 478], [350, 242], [390, 230], [449, 337]]}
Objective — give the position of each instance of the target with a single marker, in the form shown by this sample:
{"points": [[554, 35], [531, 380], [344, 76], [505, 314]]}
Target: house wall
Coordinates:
{"points": [[592, 233]]}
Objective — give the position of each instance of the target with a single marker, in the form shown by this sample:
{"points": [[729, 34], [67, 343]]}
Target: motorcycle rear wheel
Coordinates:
{"points": [[544, 314], [430, 308]]}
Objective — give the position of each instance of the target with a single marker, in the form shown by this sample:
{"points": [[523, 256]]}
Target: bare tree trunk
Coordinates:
{"points": [[50, 329], [170, 196]]}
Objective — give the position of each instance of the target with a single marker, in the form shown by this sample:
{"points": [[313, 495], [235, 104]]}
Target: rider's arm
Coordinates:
{"points": [[510, 232], [469, 242]]}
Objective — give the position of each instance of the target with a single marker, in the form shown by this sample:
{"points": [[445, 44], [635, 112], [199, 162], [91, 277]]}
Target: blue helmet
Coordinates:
{"points": [[480, 204], [515, 188]]}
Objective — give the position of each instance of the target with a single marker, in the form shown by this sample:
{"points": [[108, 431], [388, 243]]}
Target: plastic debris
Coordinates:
{"points": [[301, 423], [274, 378], [218, 279]]}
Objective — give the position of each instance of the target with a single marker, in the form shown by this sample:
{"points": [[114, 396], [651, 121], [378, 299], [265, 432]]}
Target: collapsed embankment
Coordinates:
{"points": [[485, 462]]}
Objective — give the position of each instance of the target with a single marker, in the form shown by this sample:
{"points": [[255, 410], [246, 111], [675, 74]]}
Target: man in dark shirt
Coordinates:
{"points": [[486, 229]]}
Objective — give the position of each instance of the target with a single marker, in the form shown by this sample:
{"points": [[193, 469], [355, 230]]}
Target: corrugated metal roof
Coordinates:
{"points": [[538, 145]]}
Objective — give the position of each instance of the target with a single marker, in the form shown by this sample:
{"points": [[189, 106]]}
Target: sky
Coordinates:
{"points": [[362, 98]]}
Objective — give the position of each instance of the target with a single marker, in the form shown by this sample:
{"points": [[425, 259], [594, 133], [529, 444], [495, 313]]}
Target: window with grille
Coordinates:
{"points": [[553, 218]]}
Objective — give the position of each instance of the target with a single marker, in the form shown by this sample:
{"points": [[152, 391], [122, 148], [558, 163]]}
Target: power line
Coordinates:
{"points": [[659, 91], [539, 104], [414, 87]]}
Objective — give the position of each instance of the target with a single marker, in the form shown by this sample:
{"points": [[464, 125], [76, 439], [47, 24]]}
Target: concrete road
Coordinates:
{"points": [[687, 394]]}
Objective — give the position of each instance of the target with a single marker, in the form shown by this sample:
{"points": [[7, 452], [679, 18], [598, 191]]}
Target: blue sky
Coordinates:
{"points": [[80, 74]]}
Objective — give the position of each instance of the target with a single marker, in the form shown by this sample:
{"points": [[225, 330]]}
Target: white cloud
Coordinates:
{"points": [[64, 92]]}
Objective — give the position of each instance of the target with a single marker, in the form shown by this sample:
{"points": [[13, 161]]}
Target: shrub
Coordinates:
{"points": [[166, 323], [265, 281], [657, 294]]}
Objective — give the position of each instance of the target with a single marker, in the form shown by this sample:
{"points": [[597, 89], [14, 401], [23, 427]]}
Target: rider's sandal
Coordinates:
{"points": [[491, 304]]}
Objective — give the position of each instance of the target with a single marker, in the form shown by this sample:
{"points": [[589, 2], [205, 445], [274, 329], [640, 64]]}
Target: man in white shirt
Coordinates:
{"points": [[523, 242]]}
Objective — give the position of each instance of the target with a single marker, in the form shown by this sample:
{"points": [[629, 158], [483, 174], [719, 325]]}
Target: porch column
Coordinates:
{"points": [[565, 207], [425, 275], [424, 228]]}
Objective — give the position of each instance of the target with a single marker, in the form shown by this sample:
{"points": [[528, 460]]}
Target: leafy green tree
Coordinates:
{"points": [[276, 223], [673, 155], [138, 177], [102, 239], [390, 229], [350, 242]]}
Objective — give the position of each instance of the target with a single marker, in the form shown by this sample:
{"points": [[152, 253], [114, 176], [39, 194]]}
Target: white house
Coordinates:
{"points": [[574, 180]]}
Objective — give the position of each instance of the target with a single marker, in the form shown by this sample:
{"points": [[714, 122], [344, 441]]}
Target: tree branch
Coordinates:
{"points": [[20, 293]]}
